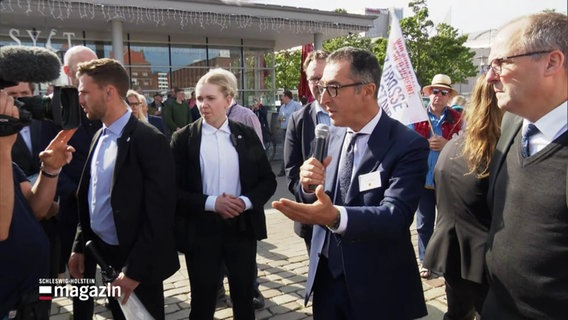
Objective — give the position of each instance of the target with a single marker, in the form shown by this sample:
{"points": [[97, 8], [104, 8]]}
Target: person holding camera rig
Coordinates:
{"points": [[22, 240]]}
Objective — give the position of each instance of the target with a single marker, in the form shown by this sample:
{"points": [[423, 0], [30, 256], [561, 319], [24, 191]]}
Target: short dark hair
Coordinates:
{"points": [[314, 55], [176, 90], [364, 64], [106, 71], [288, 94]]}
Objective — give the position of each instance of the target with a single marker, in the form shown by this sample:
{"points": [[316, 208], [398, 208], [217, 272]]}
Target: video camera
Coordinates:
{"points": [[32, 64]]}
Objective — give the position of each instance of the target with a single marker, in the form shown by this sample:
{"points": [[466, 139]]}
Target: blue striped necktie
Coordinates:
{"points": [[334, 255], [530, 131], [346, 170]]}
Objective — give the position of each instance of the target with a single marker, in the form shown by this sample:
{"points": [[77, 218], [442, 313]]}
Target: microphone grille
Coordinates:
{"points": [[322, 131]]}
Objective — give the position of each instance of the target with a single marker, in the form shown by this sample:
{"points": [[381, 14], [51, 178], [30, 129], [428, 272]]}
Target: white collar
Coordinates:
{"points": [[552, 124], [318, 107], [209, 129], [370, 126]]}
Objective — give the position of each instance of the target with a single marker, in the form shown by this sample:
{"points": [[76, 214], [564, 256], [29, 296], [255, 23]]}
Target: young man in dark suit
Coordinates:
{"points": [[528, 197], [362, 262], [300, 134], [126, 195]]}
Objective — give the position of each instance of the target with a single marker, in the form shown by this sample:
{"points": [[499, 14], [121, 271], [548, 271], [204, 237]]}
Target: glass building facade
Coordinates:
{"points": [[160, 66]]}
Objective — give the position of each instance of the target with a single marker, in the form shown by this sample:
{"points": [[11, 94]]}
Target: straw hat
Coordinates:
{"points": [[440, 81]]}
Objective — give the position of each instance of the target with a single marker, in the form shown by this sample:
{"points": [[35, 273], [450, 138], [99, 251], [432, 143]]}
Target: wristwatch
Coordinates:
{"points": [[335, 224]]}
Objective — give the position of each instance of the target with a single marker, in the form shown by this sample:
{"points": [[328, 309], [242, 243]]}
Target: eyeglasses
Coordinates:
{"points": [[133, 103], [438, 91], [496, 64], [333, 89]]}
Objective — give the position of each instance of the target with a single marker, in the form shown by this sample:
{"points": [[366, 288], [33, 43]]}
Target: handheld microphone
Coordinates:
{"points": [[320, 147], [28, 64]]}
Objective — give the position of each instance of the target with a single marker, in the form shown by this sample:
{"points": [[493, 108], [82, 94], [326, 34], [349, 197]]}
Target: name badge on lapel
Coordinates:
{"points": [[369, 181]]}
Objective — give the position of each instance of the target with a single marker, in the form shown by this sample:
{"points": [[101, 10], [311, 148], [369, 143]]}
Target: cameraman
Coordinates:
{"points": [[22, 241]]}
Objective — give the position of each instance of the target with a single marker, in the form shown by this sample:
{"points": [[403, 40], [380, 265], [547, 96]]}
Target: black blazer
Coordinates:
{"points": [[297, 149], [26, 160], [258, 182], [463, 218], [156, 122], [143, 203]]}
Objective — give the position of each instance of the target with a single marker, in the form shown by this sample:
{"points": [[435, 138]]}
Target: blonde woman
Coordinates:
{"points": [[457, 247], [223, 180], [136, 101]]}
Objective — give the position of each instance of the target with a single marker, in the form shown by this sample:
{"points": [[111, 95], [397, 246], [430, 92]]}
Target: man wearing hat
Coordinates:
{"points": [[444, 122], [155, 107]]}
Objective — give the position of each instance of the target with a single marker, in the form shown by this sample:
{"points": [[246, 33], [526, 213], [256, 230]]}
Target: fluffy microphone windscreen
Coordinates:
{"points": [[28, 64]]}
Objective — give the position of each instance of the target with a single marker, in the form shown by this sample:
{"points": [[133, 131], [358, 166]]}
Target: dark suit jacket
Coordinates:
{"points": [[297, 149], [258, 182], [156, 122], [463, 217], [380, 266], [26, 160], [143, 203]]}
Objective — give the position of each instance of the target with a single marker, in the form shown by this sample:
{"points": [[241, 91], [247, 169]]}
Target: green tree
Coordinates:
{"points": [[454, 59], [441, 53], [380, 49], [287, 68], [352, 39]]}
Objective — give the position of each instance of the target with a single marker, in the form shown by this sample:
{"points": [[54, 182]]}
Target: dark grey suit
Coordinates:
{"points": [[527, 248], [297, 149]]}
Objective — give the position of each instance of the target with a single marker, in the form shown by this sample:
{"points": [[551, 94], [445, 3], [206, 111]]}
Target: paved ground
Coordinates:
{"points": [[283, 268]]}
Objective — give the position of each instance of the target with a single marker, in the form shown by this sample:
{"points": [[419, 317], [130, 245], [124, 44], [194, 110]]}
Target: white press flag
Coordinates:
{"points": [[399, 94]]}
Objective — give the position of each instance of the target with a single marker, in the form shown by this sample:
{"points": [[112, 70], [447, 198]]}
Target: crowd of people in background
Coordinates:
{"points": [[485, 178]]}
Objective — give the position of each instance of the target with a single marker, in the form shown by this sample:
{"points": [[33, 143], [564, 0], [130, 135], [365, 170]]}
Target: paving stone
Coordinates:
{"points": [[436, 282], [263, 314], [182, 314], [283, 299], [224, 313], [289, 316], [171, 308], [434, 293], [61, 316]]}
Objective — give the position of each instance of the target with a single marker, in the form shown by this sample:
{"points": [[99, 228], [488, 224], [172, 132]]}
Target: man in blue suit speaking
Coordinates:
{"points": [[362, 262]]}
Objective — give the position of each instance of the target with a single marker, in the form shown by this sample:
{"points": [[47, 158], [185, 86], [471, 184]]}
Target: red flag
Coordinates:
{"points": [[304, 88]]}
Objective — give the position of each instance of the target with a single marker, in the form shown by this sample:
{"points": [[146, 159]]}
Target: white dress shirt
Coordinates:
{"points": [[550, 127], [359, 149], [219, 162]]}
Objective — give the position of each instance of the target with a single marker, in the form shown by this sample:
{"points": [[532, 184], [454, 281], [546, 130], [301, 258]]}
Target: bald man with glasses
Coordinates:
{"points": [[528, 197]]}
